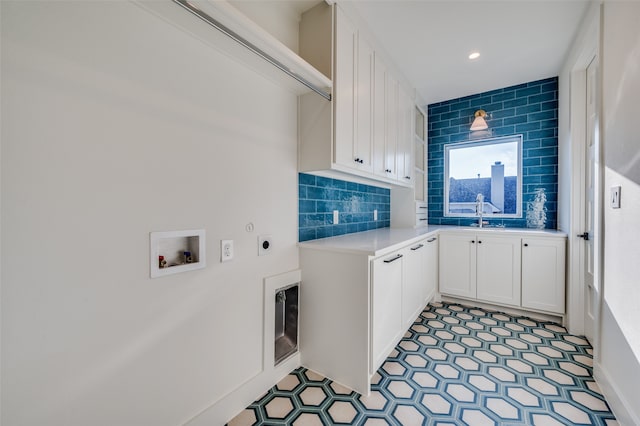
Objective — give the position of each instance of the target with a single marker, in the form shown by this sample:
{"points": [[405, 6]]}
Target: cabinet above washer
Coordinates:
{"points": [[367, 128]]}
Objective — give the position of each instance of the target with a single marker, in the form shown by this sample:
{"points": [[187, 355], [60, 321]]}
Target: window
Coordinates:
{"points": [[491, 167]]}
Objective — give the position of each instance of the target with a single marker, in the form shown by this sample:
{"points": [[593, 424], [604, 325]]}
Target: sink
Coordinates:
{"points": [[496, 226]]}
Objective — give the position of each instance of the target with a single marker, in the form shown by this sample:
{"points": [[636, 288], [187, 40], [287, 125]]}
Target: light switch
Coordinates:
{"points": [[615, 197]]}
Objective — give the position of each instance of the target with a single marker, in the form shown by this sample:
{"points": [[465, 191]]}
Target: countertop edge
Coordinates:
{"points": [[381, 242]]}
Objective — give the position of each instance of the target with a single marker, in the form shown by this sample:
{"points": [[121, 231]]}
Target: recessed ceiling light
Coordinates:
{"points": [[474, 55]]}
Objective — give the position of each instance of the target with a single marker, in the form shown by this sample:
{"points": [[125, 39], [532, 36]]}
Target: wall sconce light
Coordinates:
{"points": [[479, 122]]}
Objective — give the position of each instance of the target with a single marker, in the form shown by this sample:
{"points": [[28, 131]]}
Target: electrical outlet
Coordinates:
{"points": [[265, 245], [375, 215], [336, 217], [226, 250]]}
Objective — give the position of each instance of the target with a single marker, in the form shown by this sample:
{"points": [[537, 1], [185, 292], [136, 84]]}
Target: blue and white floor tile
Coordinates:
{"points": [[455, 366]]}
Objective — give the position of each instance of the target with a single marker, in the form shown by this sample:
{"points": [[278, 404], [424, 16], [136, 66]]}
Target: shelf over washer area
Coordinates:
{"points": [[243, 40]]}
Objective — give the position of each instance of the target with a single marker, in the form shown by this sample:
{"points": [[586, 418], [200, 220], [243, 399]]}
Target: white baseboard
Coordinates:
{"points": [[620, 406], [231, 405]]}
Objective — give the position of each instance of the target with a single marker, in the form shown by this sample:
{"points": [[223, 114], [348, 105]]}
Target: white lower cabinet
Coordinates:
{"points": [[356, 304], [414, 281], [504, 269], [386, 307], [431, 274], [543, 274], [498, 269], [458, 265], [355, 308]]}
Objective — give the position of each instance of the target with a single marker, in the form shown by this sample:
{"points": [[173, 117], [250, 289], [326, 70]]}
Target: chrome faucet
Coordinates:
{"points": [[479, 208]]}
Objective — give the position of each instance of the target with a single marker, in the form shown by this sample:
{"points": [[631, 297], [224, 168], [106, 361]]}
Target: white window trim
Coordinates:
{"points": [[480, 142]]}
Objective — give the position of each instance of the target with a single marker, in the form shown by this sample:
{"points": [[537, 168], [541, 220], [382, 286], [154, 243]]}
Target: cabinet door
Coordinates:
{"points": [[458, 265], [363, 145], [498, 269], [379, 117], [413, 281], [404, 153], [345, 88], [391, 130], [431, 270], [543, 274], [386, 311]]}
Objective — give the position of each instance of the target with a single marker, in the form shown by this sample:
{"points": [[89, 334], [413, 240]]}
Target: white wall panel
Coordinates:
{"points": [[115, 124]]}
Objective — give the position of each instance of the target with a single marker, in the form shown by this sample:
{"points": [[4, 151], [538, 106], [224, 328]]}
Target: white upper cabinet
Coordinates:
{"points": [[366, 130], [344, 97], [380, 158], [363, 142], [420, 155], [404, 153], [353, 97]]}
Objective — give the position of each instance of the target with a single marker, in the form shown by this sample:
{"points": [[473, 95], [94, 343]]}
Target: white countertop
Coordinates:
{"points": [[379, 242]]}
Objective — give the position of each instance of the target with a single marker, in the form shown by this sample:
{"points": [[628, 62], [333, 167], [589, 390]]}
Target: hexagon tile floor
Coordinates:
{"points": [[455, 366]]}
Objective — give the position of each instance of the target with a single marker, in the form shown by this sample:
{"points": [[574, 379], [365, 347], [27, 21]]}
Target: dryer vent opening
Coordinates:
{"points": [[286, 321]]}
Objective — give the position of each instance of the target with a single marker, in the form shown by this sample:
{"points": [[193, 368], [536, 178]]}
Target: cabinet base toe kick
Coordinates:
{"points": [[511, 310]]}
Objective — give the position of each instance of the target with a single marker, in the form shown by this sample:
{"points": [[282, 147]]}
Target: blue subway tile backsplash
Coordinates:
{"points": [[319, 196], [530, 109]]}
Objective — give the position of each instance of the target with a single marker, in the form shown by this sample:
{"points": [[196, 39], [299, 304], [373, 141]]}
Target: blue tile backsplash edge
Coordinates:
{"points": [[319, 196]]}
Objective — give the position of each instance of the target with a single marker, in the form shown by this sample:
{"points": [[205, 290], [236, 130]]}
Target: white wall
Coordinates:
{"points": [[115, 124], [621, 313], [279, 18]]}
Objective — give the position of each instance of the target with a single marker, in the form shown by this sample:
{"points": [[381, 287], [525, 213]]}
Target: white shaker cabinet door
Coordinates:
{"points": [[345, 90], [431, 270], [413, 281], [543, 274], [386, 312], [404, 153], [458, 265], [498, 269], [363, 142]]}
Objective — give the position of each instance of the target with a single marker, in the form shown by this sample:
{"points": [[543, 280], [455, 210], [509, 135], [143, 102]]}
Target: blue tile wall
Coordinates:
{"points": [[319, 196], [529, 109]]}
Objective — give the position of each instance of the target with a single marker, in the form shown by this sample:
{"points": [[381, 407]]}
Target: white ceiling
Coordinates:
{"points": [[430, 40]]}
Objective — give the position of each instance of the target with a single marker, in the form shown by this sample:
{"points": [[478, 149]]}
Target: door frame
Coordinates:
{"points": [[576, 293]]}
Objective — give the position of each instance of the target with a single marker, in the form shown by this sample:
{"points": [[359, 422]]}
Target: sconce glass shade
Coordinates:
{"points": [[479, 122]]}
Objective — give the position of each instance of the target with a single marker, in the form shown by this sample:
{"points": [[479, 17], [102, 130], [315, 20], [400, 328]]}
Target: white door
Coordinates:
{"points": [[592, 292]]}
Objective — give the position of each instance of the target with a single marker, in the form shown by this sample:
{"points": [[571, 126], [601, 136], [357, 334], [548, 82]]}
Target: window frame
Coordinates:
{"points": [[482, 142]]}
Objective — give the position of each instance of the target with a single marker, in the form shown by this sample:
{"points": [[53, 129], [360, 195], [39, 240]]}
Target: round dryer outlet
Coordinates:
{"points": [[265, 245]]}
